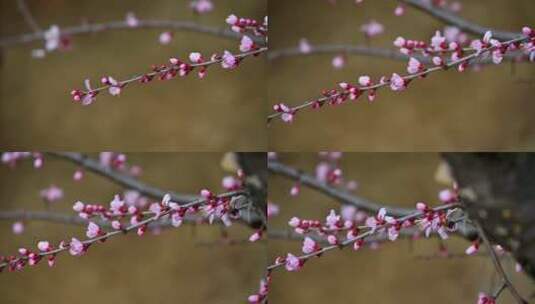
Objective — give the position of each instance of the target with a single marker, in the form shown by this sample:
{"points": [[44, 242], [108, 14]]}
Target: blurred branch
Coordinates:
{"points": [[27, 15], [120, 178], [368, 51], [177, 25], [339, 194], [452, 19], [498, 265], [60, 218]]}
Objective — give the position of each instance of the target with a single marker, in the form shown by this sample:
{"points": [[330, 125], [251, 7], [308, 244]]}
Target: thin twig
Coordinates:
{"points": [[121, 83], [340, 195], [498, 265], [177, 25], [452, 19], [27, 15]]}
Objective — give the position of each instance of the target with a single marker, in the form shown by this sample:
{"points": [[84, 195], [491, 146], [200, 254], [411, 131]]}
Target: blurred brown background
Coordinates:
{"points": [[490, 110], [172, 267], [393, 273], [223, 112]]}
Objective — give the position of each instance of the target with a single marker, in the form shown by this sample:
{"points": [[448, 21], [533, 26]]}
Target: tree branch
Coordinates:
{"points": [[59, 218], [129, 228], [452, 19], [362, 50], [362, 236], [177, 25], [27, 15], [340, 195], [498, 265], [121, 178]]}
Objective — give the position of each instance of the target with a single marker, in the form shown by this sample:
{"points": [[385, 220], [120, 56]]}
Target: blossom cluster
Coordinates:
{"points": [[460, 57], [354, 229], [196, 61], [124, 214]]}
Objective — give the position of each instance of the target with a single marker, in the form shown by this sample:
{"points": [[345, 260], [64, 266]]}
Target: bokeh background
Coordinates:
{"points": [[179, 265], [223, 112], [394, 273], [487, 110]]}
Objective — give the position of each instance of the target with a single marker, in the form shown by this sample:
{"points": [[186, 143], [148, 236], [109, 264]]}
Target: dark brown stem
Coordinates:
{"points": [[498, 265]]}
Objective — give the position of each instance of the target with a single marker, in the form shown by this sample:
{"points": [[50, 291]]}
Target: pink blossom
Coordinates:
{"points": [[393, 232], [332, 220], [93, 230], [294, 222], [473, 249], [44, 246], [246, 44], [485, 299], [414, 66], [372, 28], [518, 267], [365, 81], [52, 38], [438, 42], [272, 209], [421, 206], [76, 247], [255, 236], [322, 170], [17, 227], [380, 219], [332, 239], [437, 61], [399, 42], [397, 83], [487, 37], [195, 57], [116, 225], [229, 61], [114, 86], [304, 46], [293, 263], [231, 20], [207, 194], [400, 10], [348, 212], [176, 219], [338, 62], [230, 182], [358, 244], [309, 245], [446, 196], [294, 191], [165, 38], [202, 6], [78, 175], [52, 194], [131, 19]]}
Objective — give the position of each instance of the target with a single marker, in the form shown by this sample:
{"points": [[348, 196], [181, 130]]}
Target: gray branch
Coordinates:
{"points": [[177, 25], [121, 178], [338, 194], [463, 24]]}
